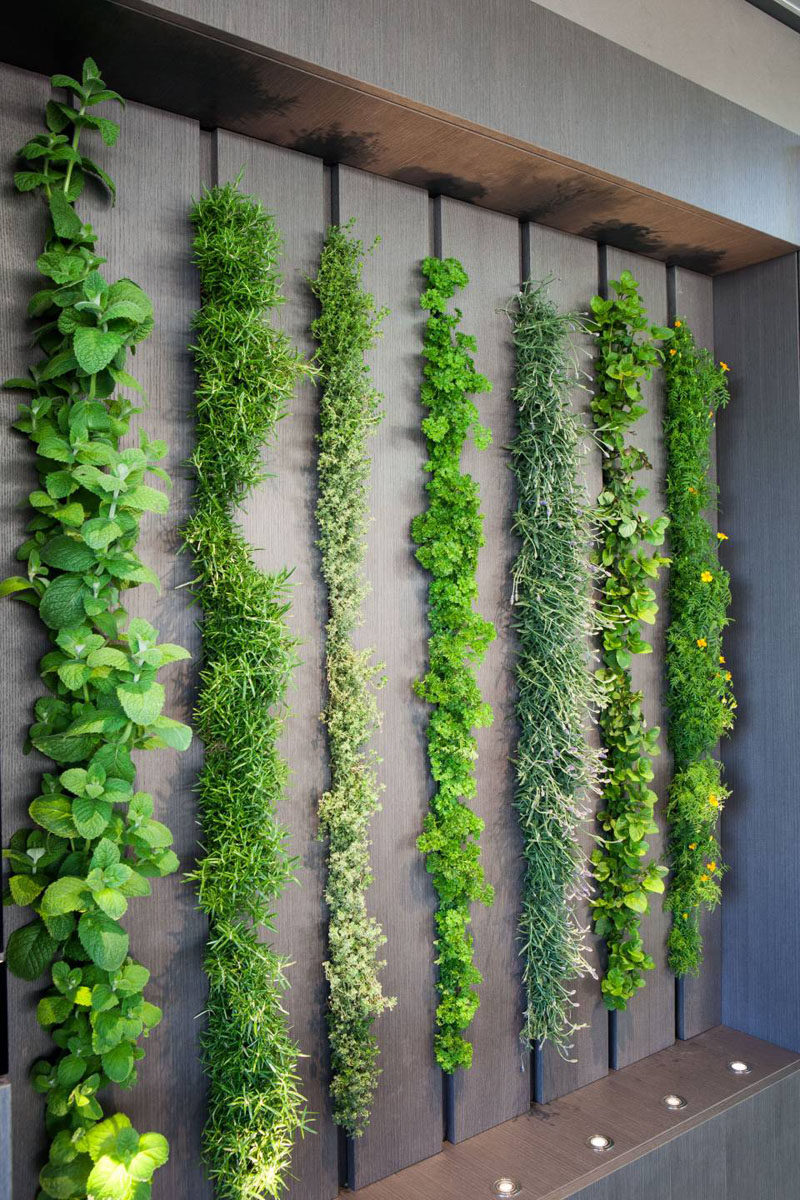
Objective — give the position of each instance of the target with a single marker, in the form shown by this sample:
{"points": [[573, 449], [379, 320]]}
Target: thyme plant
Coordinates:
{"points": [[247, 371], [93, 843], [448, 536]]}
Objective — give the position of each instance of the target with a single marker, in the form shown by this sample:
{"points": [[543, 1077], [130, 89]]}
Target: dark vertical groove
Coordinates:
{"points": [[537, 1073], [524, 251], [672, 294], [612, 1039], [602, 269], [436, 214], [680, 1009], [209, 157], [449, 1106], [333, 193]]}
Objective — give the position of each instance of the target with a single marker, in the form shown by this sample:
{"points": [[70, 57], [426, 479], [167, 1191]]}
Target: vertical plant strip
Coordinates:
{"points": [[448, 536], [247, 371], [346, 328], [556, 689], [699, 694], [92, 844], [626, 356]]}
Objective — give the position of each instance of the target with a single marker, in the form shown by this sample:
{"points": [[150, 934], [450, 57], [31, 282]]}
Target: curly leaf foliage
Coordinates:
{"points": [[555, 765], [448, 536], [93, 844], [699, 694], [346, 328], [247, 371], [626, 356]]}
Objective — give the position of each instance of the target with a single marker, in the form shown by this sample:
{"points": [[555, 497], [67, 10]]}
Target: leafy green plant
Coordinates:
{"points": [[247, 372], [93, 844], [699, 694], [555, 765], [626, 356], [346, 328], [448, 536]]}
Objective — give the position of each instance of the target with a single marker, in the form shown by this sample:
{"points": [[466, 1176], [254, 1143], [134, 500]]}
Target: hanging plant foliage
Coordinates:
{"points": [[247, 371], [448, 536], [555, 765], [346, 328], [626, 356], [699, 693], [92, 844]]}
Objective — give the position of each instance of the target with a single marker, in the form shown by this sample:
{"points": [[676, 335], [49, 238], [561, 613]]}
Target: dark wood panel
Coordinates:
{"points": [[279, 521], [5, 1140], [758, 441], [573, 264], [649, 1022], [700, 1003], [183, 64], [406, 1122], [498, 1084]]}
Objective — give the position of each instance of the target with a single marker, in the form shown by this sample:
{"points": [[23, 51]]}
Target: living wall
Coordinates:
{"points": [[699, 692], [448, 536], [555, 765], [93, 843], [345, 330], [627, 354]]}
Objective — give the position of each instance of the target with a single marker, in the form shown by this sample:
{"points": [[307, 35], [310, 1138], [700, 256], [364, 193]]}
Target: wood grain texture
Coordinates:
{"points": [[756, 331], [648, 1024], [498, 1084], [406, 1121], [573, 264], [5, 1139], [701, 1003], [279, 522]]}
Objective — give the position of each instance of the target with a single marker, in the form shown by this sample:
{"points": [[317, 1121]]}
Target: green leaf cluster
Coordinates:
{"points": [[93, 843], [247, 371], [448, 536], [699, 694], [627, 354], [551, 595], [346, 328]]}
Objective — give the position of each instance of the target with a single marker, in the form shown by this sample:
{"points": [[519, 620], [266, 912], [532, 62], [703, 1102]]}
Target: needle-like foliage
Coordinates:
{"points": [[247, 372], [555, 765]]}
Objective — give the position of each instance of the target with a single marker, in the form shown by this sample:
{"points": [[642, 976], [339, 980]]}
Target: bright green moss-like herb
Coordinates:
{"points": [[449, 535], [626, 355], [247, 372], [92, 844], [555, 766], [346, 329], [699, 694]]}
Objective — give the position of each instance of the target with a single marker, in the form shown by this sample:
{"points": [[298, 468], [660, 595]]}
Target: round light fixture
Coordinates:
{"points": [[505, 1186], [739, 1068], [673, 1102], [600, 1142]]}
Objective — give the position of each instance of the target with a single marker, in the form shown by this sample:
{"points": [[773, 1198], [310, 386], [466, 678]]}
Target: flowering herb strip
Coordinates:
{"points": [[626, 356], [555, 766], [699, 693], [346, 329], [93, 843], [448, 536]]}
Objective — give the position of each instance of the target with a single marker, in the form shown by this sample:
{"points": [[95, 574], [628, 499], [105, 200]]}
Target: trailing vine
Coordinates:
{"points": [[699, 694], [93, 843], [448, 536], [247, 371], [555, 765], [346, 328], [626, 356]]}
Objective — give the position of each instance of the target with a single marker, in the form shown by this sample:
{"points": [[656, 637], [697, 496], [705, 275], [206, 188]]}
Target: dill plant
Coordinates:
{"points": [[346, 328], [699, 695], [551, 596], [448, 536], [246, 374]]}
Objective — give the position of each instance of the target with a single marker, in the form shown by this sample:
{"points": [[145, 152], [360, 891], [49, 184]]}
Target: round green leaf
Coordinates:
{"points": [[104, 940], [30, 950], [61, 606], [94, 348]]}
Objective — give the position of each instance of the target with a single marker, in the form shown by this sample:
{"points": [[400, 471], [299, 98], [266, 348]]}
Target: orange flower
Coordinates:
{"points": [[702, 643], [692, 490], [728, 676], [704, 879], [724, 367], [673, 352], [678, 324], [692, 845]]}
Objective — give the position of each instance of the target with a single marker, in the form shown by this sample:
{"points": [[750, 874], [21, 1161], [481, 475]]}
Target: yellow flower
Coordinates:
{"points": [[706, 577], [722, 537], [704, 879], [673, 351], [722, 658], [713, 800], [685, 916], [702, 643], [692, 490], [692, 845], [711, 414], [712, 866], [728, 676], [724, 367], [678, 324]]}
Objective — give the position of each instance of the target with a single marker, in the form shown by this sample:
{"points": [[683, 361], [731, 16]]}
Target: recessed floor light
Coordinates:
{"points": [[674, 1101], [739, 1068], [506, 1186], [600, 1142]]}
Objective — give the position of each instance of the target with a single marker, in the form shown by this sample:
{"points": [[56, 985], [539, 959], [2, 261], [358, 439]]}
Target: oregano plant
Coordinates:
{"points": [[627, 354], [448, 536], [92, 844]]}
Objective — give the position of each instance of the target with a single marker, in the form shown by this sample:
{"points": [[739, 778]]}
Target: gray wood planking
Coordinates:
{"points": [[279, 521], [648, 1024], [573, 264], [756, 332], [497, 1086], [406, 1121], [5, 1140]]}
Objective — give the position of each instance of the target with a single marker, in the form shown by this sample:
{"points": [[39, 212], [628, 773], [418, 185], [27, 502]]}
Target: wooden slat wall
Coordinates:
{"points": [[406, 1123], [649, 1022], [573, 263]]}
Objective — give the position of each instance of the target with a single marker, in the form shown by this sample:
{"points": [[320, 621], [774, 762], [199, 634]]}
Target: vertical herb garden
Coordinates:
{"points": [[448, 536], [92, 844]]}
